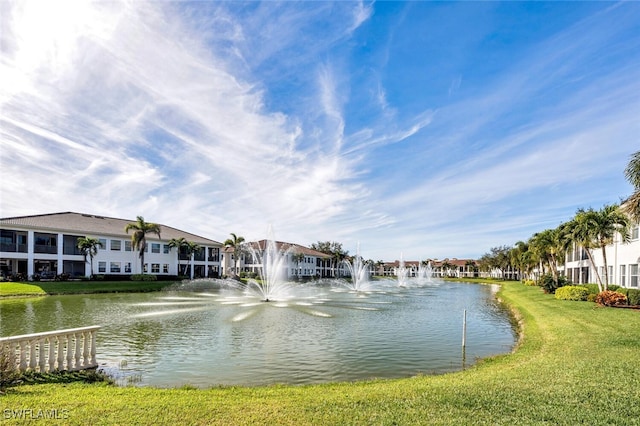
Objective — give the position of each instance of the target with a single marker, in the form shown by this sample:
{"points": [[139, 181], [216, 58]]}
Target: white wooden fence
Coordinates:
{"points": [[70, 350]]}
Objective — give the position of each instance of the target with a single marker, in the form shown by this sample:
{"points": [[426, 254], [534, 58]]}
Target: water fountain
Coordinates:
{"points": [[358, 271], [425, 272], [402, 273], [272, 269]]}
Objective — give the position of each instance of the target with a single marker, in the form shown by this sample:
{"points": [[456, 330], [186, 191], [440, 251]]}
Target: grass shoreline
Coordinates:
{"points": [[49, 288], [575, 363]]}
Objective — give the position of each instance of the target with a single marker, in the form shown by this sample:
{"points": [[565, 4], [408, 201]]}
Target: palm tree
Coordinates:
{"points": [[235, 243], [178, 243], [191, 248], [139, 237], [632, 173], [89, 247], [297, 258], [469, 266], [595, 230], [548, 247]]}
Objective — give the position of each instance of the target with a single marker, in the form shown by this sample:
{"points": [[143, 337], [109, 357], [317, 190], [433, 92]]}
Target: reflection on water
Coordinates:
{"points": [[219, 336]]}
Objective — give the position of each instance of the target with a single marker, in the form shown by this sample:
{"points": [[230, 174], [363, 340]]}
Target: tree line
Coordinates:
{"points": [[589, 229]]}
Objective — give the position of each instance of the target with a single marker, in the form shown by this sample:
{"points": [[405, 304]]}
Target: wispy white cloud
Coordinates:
{"points": [[219, 117]]}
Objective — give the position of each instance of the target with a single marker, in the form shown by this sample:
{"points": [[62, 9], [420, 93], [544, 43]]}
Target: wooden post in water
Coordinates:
{"points": [[464, 329]]}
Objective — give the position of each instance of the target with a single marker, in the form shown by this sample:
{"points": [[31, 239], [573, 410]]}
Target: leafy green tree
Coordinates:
{"points": [[332, 248], [89, 247], [236, 243], [139, 237]]}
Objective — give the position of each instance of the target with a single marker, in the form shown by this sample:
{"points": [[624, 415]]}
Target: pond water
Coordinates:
{"points": [[208, 335]]}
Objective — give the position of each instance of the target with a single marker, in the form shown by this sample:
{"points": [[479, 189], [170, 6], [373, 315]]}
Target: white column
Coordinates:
{"points": [[60, 253], [31, 241]]}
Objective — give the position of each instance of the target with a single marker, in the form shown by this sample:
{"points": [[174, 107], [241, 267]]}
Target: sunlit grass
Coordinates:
{"points": [[577, 364], [20, 289], [79, 287]]}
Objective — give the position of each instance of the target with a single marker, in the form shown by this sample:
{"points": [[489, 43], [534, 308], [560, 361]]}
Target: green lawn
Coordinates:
{"points": [[77, 287], [577, 364]]}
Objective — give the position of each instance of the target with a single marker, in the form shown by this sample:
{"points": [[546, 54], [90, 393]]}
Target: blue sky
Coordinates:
{"points": [[413, 129]]}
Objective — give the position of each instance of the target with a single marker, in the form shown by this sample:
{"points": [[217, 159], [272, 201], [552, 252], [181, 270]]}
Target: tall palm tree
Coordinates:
{"points": [[549, 249], [191, 248], [139, 237], [297, 258], [89, 247], [235, 243], [178, 243], [632, 173], [596, 230]]}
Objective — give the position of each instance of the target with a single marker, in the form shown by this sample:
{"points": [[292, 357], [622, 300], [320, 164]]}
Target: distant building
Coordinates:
{"points": [[45, 245]]}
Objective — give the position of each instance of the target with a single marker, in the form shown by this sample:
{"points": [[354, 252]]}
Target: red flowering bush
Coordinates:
{"points": [[611, 298]]}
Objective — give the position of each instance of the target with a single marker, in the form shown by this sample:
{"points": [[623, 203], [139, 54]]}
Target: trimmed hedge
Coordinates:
{"points": [[572, 292], [143, 277], [633, 295]]}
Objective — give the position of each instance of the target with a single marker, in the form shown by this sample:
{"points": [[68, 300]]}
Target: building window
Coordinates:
{"points": [[13, 241], [633, 275], [114, 267], [116, 245], [166, 249], [103, 242], [102, 267], [127, 245], [155, 268], [635, 232], [45, 243], [623, 275], [70, 245], [127, 267], [155, 248], [165, 268], [145, 268]]}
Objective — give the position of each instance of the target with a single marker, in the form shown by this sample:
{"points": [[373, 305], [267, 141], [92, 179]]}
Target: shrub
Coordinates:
{"points": [[633, 295], [613, 287], [530, 282], [572, 292], [592, 297], [593, 288], [143, 277], [611, 298], [550, 285]]}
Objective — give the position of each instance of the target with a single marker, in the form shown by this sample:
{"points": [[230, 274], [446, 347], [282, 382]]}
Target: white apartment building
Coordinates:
{"points": [[46, 245], [623, 262]]}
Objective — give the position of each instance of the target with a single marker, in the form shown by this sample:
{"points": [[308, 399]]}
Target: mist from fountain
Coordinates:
{"points": [[273, 284], [425, 272], [359, 272], [402, 273]]}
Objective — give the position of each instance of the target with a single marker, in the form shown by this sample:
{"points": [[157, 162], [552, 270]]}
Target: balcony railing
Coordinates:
{"points": [[70, 350], [13, 248], [45, 249]]}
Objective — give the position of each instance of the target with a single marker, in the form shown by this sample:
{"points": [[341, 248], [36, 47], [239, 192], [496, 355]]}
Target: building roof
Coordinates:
{"points": [[94, 225], [297, 248]]}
